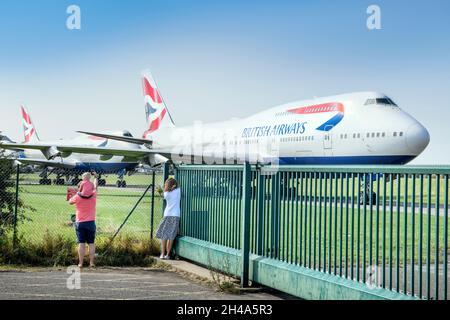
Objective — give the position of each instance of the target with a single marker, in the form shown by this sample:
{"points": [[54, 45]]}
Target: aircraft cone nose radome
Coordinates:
{"points": [[417, 138]]}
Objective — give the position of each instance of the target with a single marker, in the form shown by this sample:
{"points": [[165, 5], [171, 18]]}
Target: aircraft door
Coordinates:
{"points": [[328, 141], [274, 149]]}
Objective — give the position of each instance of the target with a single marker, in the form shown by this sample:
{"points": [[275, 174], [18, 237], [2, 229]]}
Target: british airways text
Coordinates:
{"points": [[275, 130]]}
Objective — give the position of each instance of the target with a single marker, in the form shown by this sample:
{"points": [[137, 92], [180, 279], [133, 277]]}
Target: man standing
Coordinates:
{"points": [[85, 201]]}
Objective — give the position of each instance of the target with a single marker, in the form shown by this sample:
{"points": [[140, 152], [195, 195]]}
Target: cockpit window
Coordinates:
{"points": [[392, 102], [127, 134], [385, 101], [370, 101]]}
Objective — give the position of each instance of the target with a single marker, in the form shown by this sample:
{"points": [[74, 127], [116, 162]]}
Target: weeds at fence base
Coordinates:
{"points": [[223, 280], [62, 251]]}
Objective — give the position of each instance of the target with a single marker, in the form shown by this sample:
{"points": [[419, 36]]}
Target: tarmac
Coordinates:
{"points": [[116, 284]]}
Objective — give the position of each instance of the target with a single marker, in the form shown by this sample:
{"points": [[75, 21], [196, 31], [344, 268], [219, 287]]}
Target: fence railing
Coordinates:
{"points": [[382, 226]]}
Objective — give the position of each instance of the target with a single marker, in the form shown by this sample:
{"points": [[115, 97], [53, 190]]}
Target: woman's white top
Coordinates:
{"points": [[173, 199]]}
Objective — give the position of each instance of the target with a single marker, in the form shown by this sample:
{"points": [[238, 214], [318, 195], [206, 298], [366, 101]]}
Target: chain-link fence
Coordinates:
{"points": [[33, 203]]}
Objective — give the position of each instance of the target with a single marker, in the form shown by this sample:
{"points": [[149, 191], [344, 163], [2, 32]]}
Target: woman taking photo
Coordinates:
{"points": [[168, 228]]}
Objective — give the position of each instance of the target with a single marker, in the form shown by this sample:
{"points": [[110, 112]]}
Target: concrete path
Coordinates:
{"points": [[111, 284]]}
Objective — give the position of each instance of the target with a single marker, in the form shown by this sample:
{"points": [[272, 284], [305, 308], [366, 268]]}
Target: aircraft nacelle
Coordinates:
{"points": [[51, 153], [155, 159], [106, 157]]}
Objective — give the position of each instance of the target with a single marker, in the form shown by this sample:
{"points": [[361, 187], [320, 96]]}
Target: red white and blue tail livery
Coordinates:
{"points": [[156, 111], [29, 131]]}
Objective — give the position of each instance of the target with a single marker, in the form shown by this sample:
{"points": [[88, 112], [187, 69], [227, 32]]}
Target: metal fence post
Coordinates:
{"points": [[245, 231], [165, 177], [152, 212], [260, 212], [16, 206], [275, 215]]}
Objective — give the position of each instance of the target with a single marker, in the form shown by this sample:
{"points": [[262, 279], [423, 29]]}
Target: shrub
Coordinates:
{"points": [[8, 197], [62, 251]]}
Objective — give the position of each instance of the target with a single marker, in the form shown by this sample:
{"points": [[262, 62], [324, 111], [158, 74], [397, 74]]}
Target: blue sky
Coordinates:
{"points": [[217, 60]]}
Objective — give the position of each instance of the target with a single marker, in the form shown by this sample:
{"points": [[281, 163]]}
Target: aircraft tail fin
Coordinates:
{"points": [[156, 112], [29, 130]]}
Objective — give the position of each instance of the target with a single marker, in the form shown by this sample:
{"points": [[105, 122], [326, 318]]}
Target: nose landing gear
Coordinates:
{"points": [[121, 183], [59, 181], [44, 178], [367, 197]]}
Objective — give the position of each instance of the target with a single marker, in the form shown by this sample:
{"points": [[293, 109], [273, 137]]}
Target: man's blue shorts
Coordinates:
{"points": [[86, 231]]}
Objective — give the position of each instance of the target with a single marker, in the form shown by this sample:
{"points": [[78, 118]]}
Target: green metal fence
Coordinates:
{"points": [[382, 226]]}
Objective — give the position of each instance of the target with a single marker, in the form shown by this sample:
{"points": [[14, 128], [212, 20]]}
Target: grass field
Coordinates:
{"points": [[50, 212]]}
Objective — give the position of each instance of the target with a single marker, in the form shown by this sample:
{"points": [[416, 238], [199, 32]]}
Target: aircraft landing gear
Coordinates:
{"points": [[75, 181], [121, 184], [101, 182], [59, 181], [45, 182]]}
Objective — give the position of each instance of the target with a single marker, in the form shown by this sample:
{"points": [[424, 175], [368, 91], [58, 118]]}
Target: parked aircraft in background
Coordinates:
{"points": [[55, 159], [4, 138], [6, 153]]}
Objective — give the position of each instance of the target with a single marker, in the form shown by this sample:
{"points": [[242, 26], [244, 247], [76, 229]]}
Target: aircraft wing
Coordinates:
{"points": [[46, 163], [10, 146], [22, 146], [51, 150], [129, 153], [118, 138], [47, 150], [124, 152]]}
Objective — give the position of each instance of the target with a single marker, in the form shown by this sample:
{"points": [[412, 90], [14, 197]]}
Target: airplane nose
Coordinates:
{"points": [[417, 138]]}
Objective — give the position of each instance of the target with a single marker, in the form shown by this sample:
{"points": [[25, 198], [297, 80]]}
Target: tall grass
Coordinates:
{"points": [[57, 250]]}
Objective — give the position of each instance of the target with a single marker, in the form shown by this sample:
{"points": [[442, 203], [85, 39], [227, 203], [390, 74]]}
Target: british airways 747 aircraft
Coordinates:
{"points": [[355, 128], [33, 151]]}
